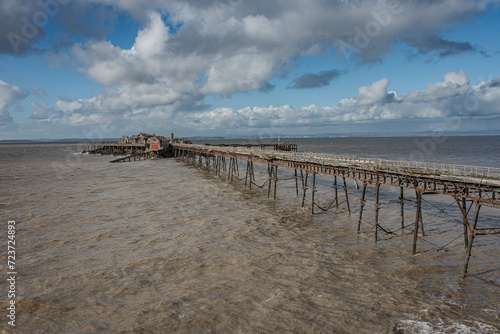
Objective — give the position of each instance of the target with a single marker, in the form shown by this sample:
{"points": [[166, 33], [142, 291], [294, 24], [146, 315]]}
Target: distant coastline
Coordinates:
{"points": [[283, 136]]}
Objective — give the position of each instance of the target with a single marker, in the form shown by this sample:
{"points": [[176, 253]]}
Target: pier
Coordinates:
{"points": [[470, 187], [137, 147]]}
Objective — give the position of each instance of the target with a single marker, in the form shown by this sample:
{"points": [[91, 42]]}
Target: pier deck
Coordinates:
{"points": [[137, 156], [481, 184]]}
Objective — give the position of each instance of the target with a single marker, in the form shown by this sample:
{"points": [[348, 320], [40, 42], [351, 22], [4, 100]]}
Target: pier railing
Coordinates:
{"points": [[398, 165]]}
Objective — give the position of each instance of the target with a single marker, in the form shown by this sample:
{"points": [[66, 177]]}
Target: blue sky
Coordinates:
{"points": [[104, 68]]}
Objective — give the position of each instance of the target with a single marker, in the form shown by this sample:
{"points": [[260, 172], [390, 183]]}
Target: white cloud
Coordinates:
{"points": [[224, 47], [374, 93], [188, 49], [9, 95], [152, 40], [447, 99]]}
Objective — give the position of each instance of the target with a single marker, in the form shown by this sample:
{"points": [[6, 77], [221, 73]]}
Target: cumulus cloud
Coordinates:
{"points": [[9, 95], [190, 49], [452, 97], [374, 93]]}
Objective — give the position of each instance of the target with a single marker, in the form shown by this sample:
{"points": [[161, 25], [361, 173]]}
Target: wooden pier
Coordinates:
{"points": [[278, 147], [137, 147], [471, 187], [114, 148], [147, 154]]}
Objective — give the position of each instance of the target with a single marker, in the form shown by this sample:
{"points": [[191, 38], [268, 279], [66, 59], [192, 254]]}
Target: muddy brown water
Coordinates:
{"points": [[161, 247]]}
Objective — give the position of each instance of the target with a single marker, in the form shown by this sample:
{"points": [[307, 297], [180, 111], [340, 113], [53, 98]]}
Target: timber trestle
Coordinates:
{"points": [[470, 187]]}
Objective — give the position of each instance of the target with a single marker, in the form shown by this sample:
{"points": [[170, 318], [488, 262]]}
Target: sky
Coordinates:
{"points": [[239, 68]]}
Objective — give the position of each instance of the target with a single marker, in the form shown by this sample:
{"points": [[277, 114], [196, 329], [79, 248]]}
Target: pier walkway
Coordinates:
{"points": [[468, 185], [138, 156]]}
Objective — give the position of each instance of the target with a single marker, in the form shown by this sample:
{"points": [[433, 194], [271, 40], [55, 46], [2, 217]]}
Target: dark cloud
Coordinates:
{"points": [[87, 20], [316, 80], [494, 83], [23, 23], [267, 88], [433, 44], [17, 30]]}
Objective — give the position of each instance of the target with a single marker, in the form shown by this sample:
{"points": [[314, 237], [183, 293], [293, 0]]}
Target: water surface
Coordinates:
{"points": [[161, 247]]}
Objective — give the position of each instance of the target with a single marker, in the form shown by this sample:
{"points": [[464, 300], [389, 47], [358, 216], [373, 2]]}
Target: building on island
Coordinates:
{"points": [[154, 145]]}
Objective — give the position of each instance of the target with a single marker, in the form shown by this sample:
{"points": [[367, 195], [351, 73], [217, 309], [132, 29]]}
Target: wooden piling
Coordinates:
{"points": [[246, 173], [464, 219], [313, 191], [362, 204], [377, 207], [335, 185], [252, 175], [472, 234], [417, 220], [296, 184], [270, 170], [347, 197], [421, 220], [402, 202], [275, 181], [304, 189]]}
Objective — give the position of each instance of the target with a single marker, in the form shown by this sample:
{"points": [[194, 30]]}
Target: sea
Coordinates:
{"points": [[161, 246]]}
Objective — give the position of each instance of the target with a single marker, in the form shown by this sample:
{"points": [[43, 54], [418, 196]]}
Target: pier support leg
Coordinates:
{"points": [[472, 234], [361, 206], [402, 202], [270, 170], [464, 214], [252, 175], [313, 190], [246, 173], [347, 197], [335, 185], [304, 189], [417, 220], [235, 169], [296, 184], [230, 170], [275, 181], [377, 207], [421, 218]]}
